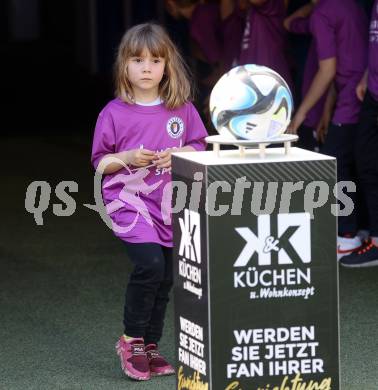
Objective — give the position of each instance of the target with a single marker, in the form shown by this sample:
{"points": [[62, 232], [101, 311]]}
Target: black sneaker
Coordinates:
{"points": [[365, 256]]}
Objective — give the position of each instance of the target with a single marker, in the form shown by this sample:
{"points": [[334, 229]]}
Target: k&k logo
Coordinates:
{"points": [[190, 245], [287, 239]]}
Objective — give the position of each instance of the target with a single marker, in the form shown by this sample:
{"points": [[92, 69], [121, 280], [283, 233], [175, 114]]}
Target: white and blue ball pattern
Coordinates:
{"points": [[251, 102]]}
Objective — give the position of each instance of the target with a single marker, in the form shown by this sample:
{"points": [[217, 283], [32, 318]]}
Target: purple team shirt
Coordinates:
{"points": [[121, 126], [373, 53], [205, 30], [232, 31], [302, 26], [340, 30], [264, 39]]}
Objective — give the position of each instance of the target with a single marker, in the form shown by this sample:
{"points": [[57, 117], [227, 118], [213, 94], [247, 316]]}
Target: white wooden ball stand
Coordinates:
{"points": [[218, 140]]}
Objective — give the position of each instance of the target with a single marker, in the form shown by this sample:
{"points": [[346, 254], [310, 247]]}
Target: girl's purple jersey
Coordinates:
{"points": [[138, 200], [373, 53], [205, 30], [264, 38], [340, 30]]}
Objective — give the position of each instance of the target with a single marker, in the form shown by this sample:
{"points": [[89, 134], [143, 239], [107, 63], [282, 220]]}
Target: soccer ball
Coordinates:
{"points": [[251, 102]]}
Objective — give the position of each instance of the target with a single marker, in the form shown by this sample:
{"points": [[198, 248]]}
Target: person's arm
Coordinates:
{"points": [[321, 82], [172, 8], [135, 157], [362, 86], [329, 105], [226, 8], [258, 3], [301, 13], [297, 25]]}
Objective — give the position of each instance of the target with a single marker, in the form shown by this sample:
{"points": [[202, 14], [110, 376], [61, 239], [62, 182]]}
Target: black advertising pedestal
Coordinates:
{"points": [[256, 276]]}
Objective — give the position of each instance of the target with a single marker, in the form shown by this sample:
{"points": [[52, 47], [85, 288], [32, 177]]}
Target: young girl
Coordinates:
{"points": [[150, 118]]}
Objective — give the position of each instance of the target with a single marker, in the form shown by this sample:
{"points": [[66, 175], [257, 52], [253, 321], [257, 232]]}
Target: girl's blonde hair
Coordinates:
{"points": [[175, 87]]}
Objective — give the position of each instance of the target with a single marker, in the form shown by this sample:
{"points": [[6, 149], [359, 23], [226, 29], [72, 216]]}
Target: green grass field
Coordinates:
{"points": [[62, 286]]}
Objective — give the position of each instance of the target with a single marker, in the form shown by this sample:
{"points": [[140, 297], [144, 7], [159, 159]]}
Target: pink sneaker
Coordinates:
{"points": [[133, 358], [158, 364]]}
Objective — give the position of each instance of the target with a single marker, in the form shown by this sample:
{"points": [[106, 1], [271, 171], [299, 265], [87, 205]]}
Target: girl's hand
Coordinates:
{"points": [[139, 157], [163, 159]]}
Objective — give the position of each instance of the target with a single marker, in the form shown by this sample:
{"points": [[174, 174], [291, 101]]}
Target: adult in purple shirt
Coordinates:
{"points": [[264, 38], [370, 79], [339, 29], [366, 150], [340, 33]]}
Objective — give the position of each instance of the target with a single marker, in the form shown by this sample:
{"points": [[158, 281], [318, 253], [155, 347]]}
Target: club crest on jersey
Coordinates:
{"points": [[175, 127]]}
